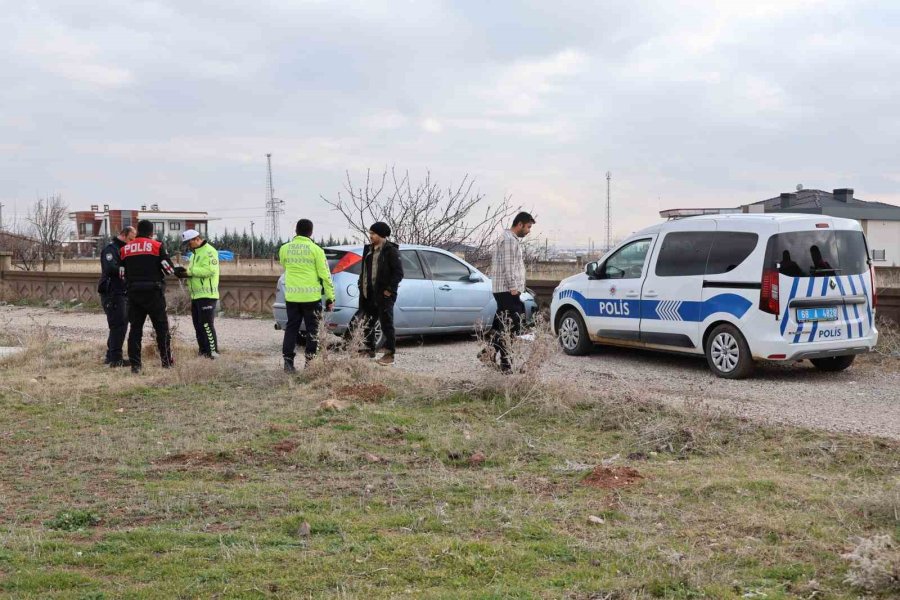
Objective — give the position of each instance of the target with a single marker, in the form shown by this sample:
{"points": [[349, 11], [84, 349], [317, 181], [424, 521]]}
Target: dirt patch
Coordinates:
{"points": [[364, 392], [609, 478], [286, 446], [207, 459]]}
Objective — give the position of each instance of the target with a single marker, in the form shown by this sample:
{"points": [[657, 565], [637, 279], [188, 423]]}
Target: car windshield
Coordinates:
{"points": [[817, 253]]}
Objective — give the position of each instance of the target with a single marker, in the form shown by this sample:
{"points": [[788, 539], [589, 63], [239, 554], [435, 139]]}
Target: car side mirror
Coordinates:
{"points": [[591, 269], [475, 277]]}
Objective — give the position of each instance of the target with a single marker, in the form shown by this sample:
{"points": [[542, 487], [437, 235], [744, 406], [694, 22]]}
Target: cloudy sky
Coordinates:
{"points": [[687, 103]]}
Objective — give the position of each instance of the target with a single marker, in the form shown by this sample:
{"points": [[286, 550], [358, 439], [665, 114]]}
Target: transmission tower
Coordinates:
{"points": [[274, 206], [608, 212]]}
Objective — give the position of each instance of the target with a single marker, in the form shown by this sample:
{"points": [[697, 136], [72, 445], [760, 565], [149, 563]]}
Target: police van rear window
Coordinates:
{"points": [[817, 253]]}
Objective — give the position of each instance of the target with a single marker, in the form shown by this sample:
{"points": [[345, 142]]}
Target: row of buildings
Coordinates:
{"points": [[880, 221], [96, 224]]}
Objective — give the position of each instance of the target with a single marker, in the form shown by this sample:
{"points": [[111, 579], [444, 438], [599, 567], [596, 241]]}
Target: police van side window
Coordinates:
{"points": [[627, 262], [684, 253], [730, 249]]}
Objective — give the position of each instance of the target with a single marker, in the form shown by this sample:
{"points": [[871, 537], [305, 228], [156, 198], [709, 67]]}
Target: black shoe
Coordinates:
{"points": [[119, 363], [136, 369], [289, 366], [168, 364]]}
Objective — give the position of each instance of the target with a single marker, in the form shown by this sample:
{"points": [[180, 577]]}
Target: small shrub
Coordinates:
{"points": [[72, 520], [874, 564]]}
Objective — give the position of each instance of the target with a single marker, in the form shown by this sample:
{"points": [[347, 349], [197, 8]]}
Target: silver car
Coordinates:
{"points": [[440, 293]]}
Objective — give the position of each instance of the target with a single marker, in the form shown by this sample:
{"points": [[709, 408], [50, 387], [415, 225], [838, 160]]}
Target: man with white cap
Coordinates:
{"points": [[202, 274]]}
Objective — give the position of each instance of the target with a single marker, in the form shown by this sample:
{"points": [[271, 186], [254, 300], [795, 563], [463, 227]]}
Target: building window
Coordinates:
{"points": [[85, 229], [201, 229], [879, 255], [126, 220], [174, 226], [159, 229]]}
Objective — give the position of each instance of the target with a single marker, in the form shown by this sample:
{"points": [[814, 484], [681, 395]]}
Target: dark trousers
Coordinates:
{"points": [[308, 314], [116, 308], [374, 311], [203, 313], [143, 304], [507, 323]]}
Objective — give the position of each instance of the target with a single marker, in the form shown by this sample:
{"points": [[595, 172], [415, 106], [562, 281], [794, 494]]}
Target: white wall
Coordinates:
{"points": [[884, 235]]}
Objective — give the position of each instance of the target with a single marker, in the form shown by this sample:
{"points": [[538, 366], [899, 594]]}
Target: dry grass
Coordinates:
{"points": [[201, 477]]}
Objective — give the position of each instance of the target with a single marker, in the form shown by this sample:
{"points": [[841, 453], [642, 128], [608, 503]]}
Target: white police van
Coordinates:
{"points": [[736, 287]]}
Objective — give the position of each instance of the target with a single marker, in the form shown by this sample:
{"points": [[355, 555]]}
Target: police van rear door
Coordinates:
{"points": [[825, 288], [670, 299]]}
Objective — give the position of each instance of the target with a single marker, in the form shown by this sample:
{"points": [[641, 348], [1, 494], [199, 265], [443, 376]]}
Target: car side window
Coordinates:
{"points": [[412, 268], [445, 268], [627, 262]]}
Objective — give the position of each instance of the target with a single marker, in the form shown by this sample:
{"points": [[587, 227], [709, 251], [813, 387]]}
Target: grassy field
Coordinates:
{"points": [[232, 480]]}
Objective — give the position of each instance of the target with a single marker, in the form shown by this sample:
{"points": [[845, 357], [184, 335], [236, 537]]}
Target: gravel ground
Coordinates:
{"points": [[864, 399]]}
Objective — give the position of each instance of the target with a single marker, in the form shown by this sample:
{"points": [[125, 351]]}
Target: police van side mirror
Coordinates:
{"points": [[591, 270]]}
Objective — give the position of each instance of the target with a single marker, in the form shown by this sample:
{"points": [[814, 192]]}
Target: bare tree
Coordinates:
{"points": [[49, 220], [424, 212]]}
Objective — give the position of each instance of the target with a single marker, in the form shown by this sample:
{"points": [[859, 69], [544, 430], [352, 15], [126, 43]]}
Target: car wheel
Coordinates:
{"points": [[728, 354], [573, 334], [379, 335], [833, 364]]}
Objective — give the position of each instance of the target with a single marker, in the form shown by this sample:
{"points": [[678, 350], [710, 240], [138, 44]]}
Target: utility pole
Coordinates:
{"points": [[1, 216], [274, 206], [608, 212], [252, 237]]}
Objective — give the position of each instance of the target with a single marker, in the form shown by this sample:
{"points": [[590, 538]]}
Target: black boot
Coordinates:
{"points": [[289, 365]]}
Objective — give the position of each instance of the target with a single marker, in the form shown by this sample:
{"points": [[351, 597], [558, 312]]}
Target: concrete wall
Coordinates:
{"points": [[247, 293], [884, 235]]}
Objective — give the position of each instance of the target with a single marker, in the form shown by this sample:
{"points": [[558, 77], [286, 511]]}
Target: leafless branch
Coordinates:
{"points": [[424, 212]]}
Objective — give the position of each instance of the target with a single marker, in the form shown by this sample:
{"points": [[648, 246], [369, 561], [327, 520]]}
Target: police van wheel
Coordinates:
{"points": [[833, 364], [728, 354], [573, 335]]}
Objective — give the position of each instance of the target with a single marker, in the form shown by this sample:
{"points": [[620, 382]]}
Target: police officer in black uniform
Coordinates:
{"points": [[112, 296], [145, 264]]}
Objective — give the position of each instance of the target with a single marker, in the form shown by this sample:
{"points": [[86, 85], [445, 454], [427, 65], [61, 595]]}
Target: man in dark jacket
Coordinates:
{"points": [[382, 272], [145, 264], [112, 296]]}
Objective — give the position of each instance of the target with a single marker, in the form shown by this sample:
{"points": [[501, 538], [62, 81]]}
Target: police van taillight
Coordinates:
{"points": [[768, 295], [874, 287], [347, 261]]}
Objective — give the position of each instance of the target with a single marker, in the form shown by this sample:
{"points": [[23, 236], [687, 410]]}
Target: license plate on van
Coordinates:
{"points": [[816, 314]]}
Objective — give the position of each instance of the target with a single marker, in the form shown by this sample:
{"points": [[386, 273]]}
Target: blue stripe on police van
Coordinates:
{"points": [[815, 325], [855, 306], [656, 310], [840, 285], [862, 284], [787, 312], [809, 290]]}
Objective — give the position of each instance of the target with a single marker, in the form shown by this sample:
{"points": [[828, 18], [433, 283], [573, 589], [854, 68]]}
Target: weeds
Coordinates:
{"points": [[888, 338], [73, 520], [874, 564]]}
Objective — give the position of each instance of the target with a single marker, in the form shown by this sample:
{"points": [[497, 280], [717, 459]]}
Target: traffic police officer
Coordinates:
{"points": [[112, 296], [306, 276], [202, 276]]}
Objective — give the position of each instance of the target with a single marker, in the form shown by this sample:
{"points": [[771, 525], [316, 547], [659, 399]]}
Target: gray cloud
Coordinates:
{"points": [[689, 103]]}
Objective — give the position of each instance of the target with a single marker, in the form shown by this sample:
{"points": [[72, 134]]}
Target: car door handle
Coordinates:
{"points": [[631, 295], [445, 288], [650, 294]]}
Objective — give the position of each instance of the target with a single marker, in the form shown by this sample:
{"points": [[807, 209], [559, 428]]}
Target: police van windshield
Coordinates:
{"points": [[817, 253]]}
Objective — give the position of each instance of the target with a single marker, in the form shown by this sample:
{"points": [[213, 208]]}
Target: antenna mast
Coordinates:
{"points": [[608, 213], [274, 206]]}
